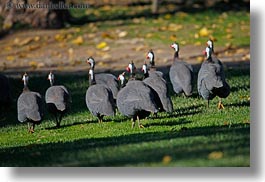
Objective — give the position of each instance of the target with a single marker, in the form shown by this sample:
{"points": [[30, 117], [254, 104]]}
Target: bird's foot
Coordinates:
{"points": [[31, 131], [141, 126], [220, 105]]}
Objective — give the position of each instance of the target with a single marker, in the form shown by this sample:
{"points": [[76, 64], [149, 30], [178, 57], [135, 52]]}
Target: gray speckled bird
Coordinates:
{"points": [[181, 74], [57, 99], [159, 85], [5, 96], [211, 79], [136, 100], [99, 99], [29, 106], [105, 78], [151, 57]]}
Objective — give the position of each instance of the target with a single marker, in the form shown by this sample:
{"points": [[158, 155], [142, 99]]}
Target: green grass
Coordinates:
{"points": [[192, 136]]}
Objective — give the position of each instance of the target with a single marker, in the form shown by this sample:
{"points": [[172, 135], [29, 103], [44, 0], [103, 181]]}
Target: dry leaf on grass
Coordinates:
{"points": [[215, 155]]}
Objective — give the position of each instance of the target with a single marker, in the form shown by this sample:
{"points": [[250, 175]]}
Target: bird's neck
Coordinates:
{"points": [[176, 55], [92, 80], [51, 83], [26, 88]]}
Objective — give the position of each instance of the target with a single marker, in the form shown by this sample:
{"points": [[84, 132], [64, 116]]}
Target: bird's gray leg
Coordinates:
{"points": [[139, 124], [133, 122], [220, 104], [29, 127], [208, 103], [59, 121], [33, 126], [100, 119]]}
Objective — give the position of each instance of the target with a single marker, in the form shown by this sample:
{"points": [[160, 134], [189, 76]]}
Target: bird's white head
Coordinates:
{"points": [[51, 78], [131, 68], [91, 62], [209, 43], [151, 57], [121, 78], [175, 46], [144, 68], [25, 79], [207, 52]]}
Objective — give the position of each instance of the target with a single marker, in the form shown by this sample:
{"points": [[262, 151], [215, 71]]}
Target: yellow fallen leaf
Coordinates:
{"points": [[196, 36], [69, 36], [122, 34], [71, 53], [107, 48], [102, 45], [246, 57], [10, 58], [78, 41], [107, 35], [228, 30], [204, 32], [33, 64], [101, 63], [173, 37], [215, 155], [33, 47], [229, 36], [167, 16], [25, 41], [166, 159], [77, 30], [149, 35], [174, 27], [182, 14], [183, 42], [36, 38], [198, 43], [41, 65], [59, 37], [8, 48], [22, 55], [200, 59]]}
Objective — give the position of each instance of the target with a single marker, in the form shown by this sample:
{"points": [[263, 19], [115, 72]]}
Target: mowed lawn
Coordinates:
{"points": [[192, 135]]}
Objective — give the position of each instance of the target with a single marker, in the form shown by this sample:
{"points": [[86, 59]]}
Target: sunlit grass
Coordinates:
{"points": [[191, 136]]}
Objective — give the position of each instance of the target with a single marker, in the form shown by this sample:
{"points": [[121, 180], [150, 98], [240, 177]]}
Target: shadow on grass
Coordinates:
{"points": [[90, 151], [167, 123]]}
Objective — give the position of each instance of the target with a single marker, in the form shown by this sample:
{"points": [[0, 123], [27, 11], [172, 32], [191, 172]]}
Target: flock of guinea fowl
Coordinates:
{"points": [[134, 98]]}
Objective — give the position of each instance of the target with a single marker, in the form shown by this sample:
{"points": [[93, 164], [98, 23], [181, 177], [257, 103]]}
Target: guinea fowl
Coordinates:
{"points": [[29, 106], [105, 78], [181, 74], [99, 99], [159, 85], [136, 100], [211, 79], [132, 70], [57, 99], [5, 96], [151, 57]]}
